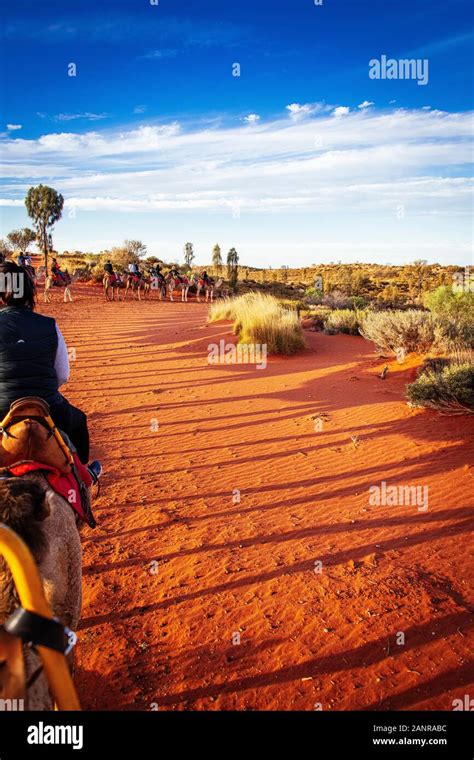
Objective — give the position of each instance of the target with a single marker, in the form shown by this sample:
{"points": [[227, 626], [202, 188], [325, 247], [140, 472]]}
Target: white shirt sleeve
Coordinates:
{"points": [[61, 364]]}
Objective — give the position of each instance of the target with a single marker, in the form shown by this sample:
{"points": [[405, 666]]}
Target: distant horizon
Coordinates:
{"points": [[246, 265], [260, 126]]}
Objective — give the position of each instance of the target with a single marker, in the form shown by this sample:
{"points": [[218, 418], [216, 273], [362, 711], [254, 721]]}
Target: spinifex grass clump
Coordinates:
{"points": [[448, 387], [261, 319]]}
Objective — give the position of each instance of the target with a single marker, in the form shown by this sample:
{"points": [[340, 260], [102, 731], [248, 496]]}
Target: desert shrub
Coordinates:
{"points": [[293, 305], [453, 336], [317, 315], [395, 331], [358, 302], [344, 321], [454, 313], [337, 300], [260, 318], [446, 387], [449, 303], [313, 295]]}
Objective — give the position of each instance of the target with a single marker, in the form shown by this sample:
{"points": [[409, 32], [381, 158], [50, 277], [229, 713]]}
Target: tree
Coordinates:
{"points": [[5, 249], [216, 257], [233, 268], [22, 239], [188, 255], [44, 206], [419, 270], [120, 257], [135, 247]]}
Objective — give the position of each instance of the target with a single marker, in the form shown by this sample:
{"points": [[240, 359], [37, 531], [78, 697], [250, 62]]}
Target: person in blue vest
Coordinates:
{"points": [[34, 359]]}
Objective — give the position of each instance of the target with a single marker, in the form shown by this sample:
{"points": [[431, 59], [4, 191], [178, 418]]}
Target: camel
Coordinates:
{"points": [[209, 287], [147, 284], [65, 283], [158, 283], [47, 524], [183, 284], [112, 285], [134, 283]]}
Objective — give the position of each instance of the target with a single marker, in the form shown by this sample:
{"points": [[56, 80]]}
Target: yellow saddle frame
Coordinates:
{"points": [[30, 591]]}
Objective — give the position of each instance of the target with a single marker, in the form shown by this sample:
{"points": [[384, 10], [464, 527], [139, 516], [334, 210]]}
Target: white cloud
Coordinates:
{"points": [[160, 54], [139, 109], [252, 118], [87, 116], [13, 127], [341, 111], [365, 165], [297, 110], [365, 104]]}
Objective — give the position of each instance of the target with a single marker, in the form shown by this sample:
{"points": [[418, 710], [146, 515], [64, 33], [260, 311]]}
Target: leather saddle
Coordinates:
{"points": [[28, 433]]}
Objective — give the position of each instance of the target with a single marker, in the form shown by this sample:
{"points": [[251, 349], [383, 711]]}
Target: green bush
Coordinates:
{"points": [[447, 303], [448, 388], [454, 313], [314, 295], [357, 302], [399, 331]]}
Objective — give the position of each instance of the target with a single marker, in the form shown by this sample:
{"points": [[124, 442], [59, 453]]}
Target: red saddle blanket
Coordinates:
{"points": [[65, 485]]}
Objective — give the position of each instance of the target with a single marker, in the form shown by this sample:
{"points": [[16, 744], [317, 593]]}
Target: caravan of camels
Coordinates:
{"points": [[142, 283], [139, 284]]}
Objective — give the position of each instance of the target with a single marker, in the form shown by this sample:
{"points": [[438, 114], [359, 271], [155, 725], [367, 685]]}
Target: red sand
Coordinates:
{"points": [[160, 635]]}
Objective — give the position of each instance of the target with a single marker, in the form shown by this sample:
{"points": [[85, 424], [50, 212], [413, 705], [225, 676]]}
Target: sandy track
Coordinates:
{"points": [[178, 566]]}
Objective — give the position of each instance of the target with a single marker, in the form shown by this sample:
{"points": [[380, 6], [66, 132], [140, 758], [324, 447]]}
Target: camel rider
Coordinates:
{"points": [[109, 269], [134, 270], [205, 277], [155, 271], [175, 274], [21, 260], [34, 360], [56, 271]]}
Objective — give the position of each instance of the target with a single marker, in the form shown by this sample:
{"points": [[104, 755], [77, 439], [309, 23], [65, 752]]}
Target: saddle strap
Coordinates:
{"points": [[35, 629]]}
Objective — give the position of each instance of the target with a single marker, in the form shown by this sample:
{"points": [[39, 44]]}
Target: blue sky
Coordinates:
{"points": [[302, 158]]}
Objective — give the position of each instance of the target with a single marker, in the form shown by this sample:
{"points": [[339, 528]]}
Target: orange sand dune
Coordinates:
{"points": [[178, 566]]}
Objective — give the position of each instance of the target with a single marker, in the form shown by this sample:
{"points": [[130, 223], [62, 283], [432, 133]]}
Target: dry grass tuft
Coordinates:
{"points": [[261, 319]]}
